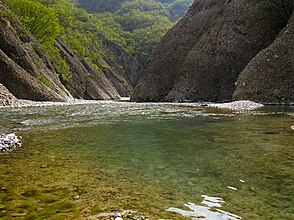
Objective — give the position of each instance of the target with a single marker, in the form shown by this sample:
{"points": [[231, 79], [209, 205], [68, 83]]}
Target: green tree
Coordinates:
{"points": [[41, 21], [137, 25]]}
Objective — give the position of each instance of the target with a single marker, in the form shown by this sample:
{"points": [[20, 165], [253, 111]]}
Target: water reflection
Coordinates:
{"points": [[209, 211]]}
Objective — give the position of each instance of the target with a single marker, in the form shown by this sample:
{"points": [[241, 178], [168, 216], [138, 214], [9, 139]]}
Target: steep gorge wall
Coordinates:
{"points": [[201, 58], [85, 83], [23, 62], [29, 73], [269, 77], [6, 98]]}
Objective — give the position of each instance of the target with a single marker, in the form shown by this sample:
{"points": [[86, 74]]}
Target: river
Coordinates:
{"points": [[167, 161]]}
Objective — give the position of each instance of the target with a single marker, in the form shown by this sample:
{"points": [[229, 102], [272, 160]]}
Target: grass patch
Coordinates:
{"points": [[42, 78]]}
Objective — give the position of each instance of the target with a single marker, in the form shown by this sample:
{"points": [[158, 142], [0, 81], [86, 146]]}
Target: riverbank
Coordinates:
{"points": [[28, 103], [244, 105]]}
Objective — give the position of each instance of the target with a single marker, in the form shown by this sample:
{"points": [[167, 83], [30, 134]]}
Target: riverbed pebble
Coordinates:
{"points": [[243, 105], [9, 142], [124, 215]]}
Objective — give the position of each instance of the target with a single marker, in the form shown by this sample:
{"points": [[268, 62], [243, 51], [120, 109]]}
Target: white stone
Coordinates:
{"points": [[244, 105]]}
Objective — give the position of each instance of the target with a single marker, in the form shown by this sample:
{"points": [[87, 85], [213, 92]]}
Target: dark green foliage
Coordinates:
{"points": [[42, 78], [40, 20], [137, 25], [174, 9], [43, 23], [101, 5], [178, 8]]}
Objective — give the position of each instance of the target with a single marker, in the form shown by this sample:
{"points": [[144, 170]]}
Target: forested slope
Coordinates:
{"points": [[61, 51], [61, 48], [138, 25]]}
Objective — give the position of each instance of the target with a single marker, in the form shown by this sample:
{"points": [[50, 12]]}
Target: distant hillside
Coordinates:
{"points": [[138, 25], [174, 9]]}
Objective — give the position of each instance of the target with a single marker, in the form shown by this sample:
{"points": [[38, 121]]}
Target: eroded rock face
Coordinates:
{"points": [[202, 56], [123, 63], [29, 73], [22, 65], [114, 79], [85, 83], [6, 98], [269, 77]]}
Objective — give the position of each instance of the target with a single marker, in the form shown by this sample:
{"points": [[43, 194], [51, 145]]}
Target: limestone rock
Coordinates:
{"points": [[85, 83], [269, 77], [6, 98], [29, 73], [23, 64], [8, 142], [201, 57]]}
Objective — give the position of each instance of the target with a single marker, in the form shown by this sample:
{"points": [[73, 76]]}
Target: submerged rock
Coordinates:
{"points": [[8, 142]]}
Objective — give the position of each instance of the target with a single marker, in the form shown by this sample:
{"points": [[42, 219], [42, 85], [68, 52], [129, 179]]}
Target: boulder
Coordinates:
{"points": [[6, 98], [9, 142]]}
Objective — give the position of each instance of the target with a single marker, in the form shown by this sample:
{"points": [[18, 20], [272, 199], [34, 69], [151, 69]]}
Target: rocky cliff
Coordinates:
{"points": [[6, 98], [25, 69], [86, 82], [201, 58], [28, 72], [269, 77]]}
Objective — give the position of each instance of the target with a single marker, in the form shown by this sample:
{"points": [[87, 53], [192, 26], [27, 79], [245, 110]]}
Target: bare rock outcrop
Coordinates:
{"points": [[269, 77], [201, 58], [114, 78], [86, 82], [28, 72], [123, 63], [6, 98], [25, 69]]}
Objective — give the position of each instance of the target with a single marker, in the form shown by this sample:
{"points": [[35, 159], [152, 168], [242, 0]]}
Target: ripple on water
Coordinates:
{"points": [[208, 211], [148, 157]]}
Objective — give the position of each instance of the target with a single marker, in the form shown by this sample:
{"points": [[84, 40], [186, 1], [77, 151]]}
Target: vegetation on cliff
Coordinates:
{"points": [[137, 26], [92, 54]]}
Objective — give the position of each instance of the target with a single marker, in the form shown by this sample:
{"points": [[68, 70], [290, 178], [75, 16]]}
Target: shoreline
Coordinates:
{"points": [[243, 105], [21, 103]]}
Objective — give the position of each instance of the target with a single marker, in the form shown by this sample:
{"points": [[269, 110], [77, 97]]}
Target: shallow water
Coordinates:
{"points": [[161, 160]]}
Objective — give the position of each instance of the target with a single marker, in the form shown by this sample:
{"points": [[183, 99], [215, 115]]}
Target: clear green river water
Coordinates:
{"points": [[164, 161]]}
